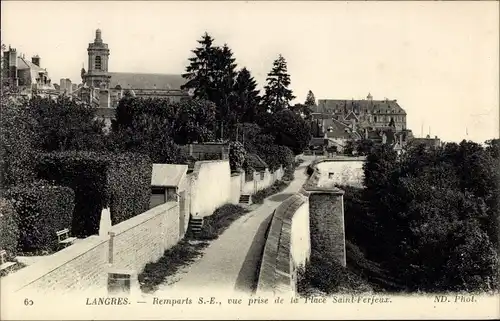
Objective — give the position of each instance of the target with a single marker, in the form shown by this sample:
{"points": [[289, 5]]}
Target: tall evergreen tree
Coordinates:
{"points": [[246, 96], [277, 94], [310, 99], [199, 72], [223, 81]]}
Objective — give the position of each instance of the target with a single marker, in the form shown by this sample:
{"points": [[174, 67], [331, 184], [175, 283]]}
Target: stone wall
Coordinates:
{"points": [[287, 246], [341, 170], [210, 187], [84, 266], [144, 238], [327, 222]]}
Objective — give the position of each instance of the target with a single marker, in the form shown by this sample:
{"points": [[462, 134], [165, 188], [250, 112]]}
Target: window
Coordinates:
{"points": [[261, 176], [375, 118], [330, 175], [98, 62]]}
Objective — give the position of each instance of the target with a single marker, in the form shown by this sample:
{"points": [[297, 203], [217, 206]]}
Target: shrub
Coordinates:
{"points": [[119, 181], [9, 230], [130, 179], [237, 155], [16, 140], [87, 174], [324, 273], [43, 210]]}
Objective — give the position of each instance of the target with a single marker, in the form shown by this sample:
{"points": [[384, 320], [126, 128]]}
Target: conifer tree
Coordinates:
{"points": [[277, 94], [310, 99], [199, 72], [247, 96]]}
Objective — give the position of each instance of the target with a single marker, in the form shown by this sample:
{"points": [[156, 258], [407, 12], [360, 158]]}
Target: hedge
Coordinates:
{"points": [[43, 210], [121, 182], [9, 231]]}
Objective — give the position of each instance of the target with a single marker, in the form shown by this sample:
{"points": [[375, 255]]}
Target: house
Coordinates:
{"points": [[167, 182]]}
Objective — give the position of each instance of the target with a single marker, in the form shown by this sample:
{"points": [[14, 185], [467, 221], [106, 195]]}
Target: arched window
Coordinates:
{"points": [[98, 62], [375, 118]]}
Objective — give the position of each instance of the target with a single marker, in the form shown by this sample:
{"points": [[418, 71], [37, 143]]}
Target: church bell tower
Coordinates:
{"points": [[97, 74]]}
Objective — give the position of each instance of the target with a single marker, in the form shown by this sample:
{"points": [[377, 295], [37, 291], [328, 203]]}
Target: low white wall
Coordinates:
{"points": [[300, 236], [345, 172], [210, 186]]}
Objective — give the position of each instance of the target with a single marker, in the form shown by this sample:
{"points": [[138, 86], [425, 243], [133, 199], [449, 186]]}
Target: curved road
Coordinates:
{"points": [[230, 263]]}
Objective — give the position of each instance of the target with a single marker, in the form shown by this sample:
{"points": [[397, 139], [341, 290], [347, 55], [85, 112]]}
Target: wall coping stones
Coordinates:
{"points": [[276, 271]]}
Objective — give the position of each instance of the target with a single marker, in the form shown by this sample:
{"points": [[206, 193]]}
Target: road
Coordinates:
{"points": [[230, 263]]}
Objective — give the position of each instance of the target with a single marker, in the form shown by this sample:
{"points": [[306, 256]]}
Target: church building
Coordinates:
{"points": [[104, 89]]}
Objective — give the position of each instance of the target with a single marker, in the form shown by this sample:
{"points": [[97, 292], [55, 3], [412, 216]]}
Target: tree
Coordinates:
{"points": [[277, 95], [223, 95], [194, 122], [146, 126], [290, 130], [246, 97], [199, 73], [310, 99], [63, 124]]}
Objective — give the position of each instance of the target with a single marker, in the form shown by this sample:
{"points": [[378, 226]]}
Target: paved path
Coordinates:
{"points": [[230, 263]]}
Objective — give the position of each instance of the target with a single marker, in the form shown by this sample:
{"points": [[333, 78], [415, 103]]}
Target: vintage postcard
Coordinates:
{"points": [[249, 160]]}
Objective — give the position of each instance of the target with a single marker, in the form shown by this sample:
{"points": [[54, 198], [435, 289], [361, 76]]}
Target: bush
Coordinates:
{"points": [[16, 140], [324, 273], [130, 179], [9, 230], [119, 181], [237, 155], [43, 210]]}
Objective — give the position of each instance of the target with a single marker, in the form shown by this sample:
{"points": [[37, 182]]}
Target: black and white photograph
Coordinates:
{"points": [[249, 160]]}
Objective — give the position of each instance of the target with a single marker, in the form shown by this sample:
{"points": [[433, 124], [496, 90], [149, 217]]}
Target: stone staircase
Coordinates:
{"points": [[195, 225], [245, 199]]}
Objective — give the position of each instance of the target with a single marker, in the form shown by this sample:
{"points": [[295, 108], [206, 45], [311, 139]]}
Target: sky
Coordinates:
{"points": [[440, 60]]}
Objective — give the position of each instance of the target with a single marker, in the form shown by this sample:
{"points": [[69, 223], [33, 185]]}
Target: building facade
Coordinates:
{"points": [[104, 89], [367, 113], [26, 77]]}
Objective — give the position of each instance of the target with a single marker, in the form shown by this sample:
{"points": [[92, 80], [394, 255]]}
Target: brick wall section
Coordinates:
{"points": [[278, 267], [78, 267], [144, 238]]}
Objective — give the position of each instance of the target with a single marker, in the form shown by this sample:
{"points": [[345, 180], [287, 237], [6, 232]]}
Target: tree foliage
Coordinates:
{"points": [[277, 94], [431, 216], [289, 129], [63, 124], [246, 97]]}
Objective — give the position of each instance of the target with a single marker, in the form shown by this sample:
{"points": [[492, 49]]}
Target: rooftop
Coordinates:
{"points": [[345, 106], [130, 80]]}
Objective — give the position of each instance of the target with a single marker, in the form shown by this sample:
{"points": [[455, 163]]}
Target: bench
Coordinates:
{"points": [[4, 263], [63, 237]]}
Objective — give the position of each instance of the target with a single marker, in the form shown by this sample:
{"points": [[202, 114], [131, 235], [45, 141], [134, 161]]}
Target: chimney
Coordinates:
{"points": [[36, 60]]}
